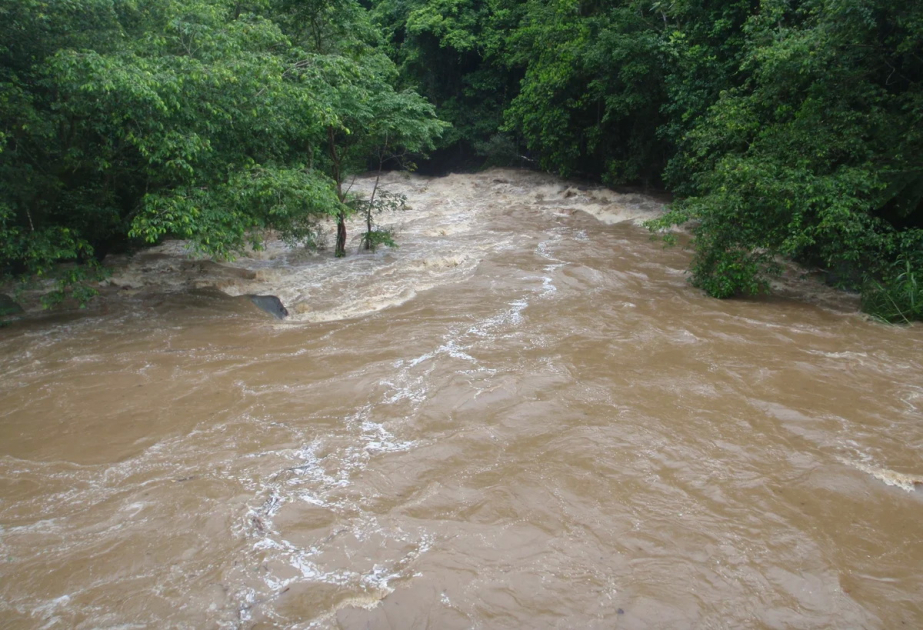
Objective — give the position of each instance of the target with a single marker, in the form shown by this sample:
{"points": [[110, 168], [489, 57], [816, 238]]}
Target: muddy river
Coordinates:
{"points": [[524, 417]]}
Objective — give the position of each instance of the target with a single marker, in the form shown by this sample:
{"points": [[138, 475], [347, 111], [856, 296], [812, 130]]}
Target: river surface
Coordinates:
{"points": [[524, 417]]}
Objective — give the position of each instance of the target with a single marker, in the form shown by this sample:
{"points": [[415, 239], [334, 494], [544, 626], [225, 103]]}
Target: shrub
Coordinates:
{"points": [[898, 298]]}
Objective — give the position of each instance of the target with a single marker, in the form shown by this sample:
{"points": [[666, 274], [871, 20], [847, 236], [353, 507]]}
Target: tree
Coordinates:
{"points": [[159, 118], [205, 120], [817, 155], [365, 113], [591, 99], [452, 52], [367, 117]]}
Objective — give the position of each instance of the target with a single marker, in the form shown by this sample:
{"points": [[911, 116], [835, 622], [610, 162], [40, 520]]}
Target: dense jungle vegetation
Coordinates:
{"points": [[785, 129]]}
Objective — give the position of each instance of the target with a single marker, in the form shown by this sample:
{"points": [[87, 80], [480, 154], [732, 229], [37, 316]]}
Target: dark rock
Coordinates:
{"points": [[271, 304], [8, 306]]}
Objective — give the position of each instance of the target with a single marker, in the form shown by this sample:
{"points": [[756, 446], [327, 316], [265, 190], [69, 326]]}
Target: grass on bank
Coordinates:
{"points": [[898, 299]]}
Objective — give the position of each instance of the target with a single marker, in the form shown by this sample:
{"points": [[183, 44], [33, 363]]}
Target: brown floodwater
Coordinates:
{"points": [[524, 417]]}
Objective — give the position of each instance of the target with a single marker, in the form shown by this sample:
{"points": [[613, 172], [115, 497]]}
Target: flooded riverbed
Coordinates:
{"points": [[522, 417]]}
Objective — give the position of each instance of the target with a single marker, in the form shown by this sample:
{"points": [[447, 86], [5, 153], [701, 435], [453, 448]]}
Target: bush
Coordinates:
{"points": [[378, 236]]}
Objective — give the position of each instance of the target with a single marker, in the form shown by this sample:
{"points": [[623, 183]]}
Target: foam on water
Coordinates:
{"points": [[906, 482]]}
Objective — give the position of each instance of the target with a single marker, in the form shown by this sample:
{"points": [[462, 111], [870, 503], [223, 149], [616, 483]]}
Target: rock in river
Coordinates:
{"points": [[271, 304]]}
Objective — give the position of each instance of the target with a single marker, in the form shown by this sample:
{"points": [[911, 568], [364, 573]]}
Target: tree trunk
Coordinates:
{"points": [[368, 211], [368, 234], [340, 251]]}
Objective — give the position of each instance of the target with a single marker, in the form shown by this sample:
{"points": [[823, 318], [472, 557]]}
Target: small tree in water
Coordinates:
{"points": [[367, 116], [382, 200], [379, 201]]}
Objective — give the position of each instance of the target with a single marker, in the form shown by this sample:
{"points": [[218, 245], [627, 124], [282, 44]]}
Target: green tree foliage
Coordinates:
{"points": [[379, 201], [817, 154], [209, 120], [593, 88], [369, 117], [454, 53]]}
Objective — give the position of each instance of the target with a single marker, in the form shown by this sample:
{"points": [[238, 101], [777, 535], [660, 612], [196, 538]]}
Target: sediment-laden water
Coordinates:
{"points": [[522, 417]]}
